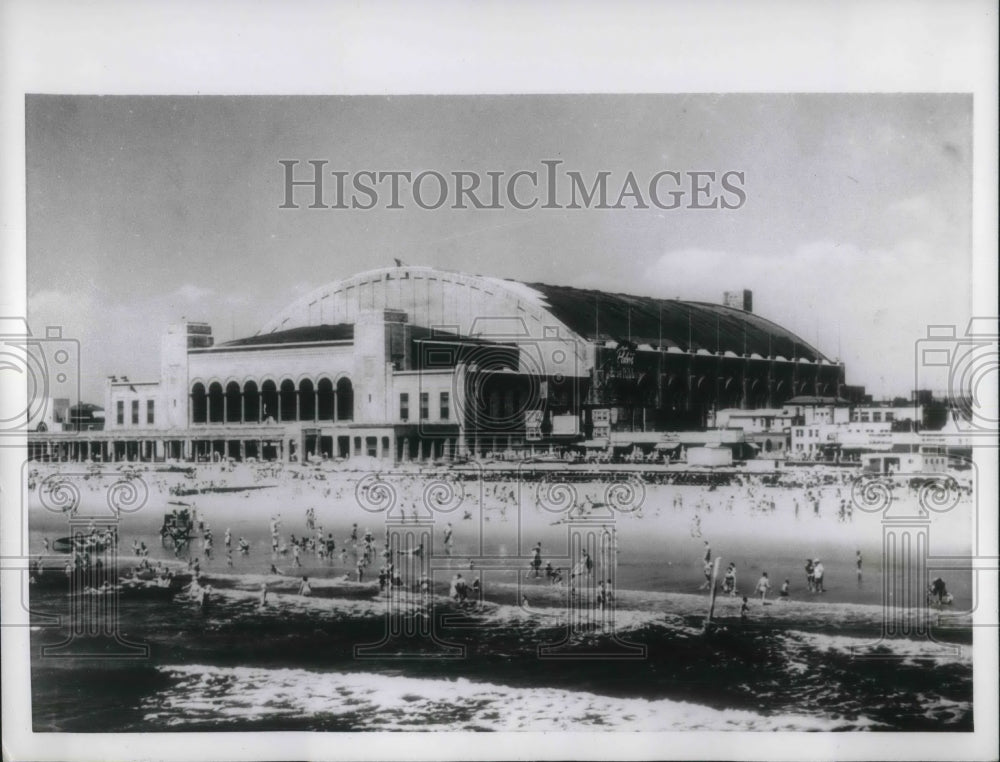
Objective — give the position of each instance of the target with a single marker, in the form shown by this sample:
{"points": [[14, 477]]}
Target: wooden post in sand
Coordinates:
{"points": [[711, 596]]}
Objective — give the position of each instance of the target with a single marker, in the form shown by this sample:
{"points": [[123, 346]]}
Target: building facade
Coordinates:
{"points": [[414, 363]]}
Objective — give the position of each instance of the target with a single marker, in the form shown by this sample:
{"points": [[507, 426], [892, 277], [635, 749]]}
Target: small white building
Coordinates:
{"points": [[709, 455]]}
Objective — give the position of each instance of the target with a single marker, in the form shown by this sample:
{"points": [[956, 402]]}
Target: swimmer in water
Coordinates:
{"points": [[784, 591], [262, 601], [744, 610], [304, 588]]}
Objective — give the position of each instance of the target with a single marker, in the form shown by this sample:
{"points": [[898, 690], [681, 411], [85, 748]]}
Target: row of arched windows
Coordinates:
{"points": [[321, 401]]}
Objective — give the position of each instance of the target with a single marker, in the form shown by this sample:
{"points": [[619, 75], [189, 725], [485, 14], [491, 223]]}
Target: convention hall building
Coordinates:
{"points": [[414, 363]]}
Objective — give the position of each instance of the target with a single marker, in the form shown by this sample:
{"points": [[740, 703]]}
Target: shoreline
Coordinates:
{"points": [[751, 520]]}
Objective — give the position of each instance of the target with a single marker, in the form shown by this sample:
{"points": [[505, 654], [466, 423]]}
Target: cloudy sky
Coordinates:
{"points": [[855, 232]]}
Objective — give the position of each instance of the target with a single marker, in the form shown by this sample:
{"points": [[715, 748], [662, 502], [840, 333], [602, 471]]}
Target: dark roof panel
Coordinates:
{"points": [[302, 335], [689, 326]]}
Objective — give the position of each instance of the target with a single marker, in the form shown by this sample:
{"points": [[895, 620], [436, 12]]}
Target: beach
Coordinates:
{"points": [[810, 662]]}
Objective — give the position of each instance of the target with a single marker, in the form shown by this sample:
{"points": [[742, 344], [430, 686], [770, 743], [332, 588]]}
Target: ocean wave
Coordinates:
{"points": [[910, 651], [203, 696]]}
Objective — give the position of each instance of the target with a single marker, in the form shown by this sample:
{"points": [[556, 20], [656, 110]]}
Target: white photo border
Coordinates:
{"points": [[186, 47]]}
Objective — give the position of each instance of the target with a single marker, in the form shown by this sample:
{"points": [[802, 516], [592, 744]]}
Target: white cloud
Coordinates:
{"points": [[192, 292], [872, 303]]}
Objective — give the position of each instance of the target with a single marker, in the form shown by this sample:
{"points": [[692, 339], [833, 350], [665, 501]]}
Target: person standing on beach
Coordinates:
{"points": [[810, 583], [938, 592], [763, 586], [262, 601], [784, 591], [708, 575], [536, 559], [857, 562], [447, 539], [818, 576], [729, 581], [744, 610]]}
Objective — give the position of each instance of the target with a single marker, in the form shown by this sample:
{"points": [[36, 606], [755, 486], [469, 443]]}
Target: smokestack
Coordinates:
{"points": [[739, 300]]}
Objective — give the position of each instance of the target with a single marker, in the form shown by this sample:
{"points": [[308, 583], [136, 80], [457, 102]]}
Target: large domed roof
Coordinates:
{"points": [[689, 326]]}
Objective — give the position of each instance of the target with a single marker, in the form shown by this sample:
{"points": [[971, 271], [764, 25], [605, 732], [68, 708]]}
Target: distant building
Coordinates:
{"points": [[887, 413], [86, 417]]}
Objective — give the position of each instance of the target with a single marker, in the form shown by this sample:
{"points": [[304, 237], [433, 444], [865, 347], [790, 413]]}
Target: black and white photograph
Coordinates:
{"points": [[560, 413]]}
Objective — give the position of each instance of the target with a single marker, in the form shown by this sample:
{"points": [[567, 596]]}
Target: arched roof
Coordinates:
{"points": [[486, 306], [690, 326]]}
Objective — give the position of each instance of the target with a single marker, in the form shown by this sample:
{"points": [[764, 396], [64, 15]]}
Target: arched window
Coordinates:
{"points": [[288, 400], [269, 397], [307, 400], [199, 404], [324, 399], [251, 402], [345, 400], [234, 403], [215, 403]]}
